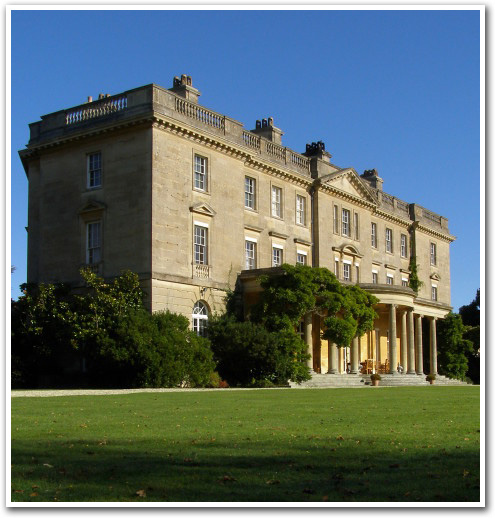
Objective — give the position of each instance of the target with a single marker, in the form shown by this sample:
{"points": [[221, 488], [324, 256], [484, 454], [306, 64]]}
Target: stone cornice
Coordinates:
{"points": [[392, 218], [434, 233], [227, 147]]}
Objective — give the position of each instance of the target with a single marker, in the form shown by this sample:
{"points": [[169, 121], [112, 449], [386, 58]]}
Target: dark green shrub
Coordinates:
{"points": [[248, 354]]}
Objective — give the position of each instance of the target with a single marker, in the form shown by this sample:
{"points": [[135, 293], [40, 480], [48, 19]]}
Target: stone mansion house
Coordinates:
{"points": [[151, 181]]}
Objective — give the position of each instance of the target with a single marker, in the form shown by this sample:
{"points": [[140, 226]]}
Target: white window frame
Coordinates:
{"points": [[336, 268], [94, 171], [277, 255], [346, 270], [356, 226], [388, 240], [93, 242], [336, 219], [200, 318], [373, 235], [250, 192], [434, 292], [200, 173], [346, 222], [403, 245], [200, 243], [276, 201], [405, 282], [374, 276], [250, 247], [304, 255], [390, 279], [433, 254], [300, 210]]}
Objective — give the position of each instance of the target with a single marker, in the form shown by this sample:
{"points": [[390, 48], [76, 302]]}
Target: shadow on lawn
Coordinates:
{"points": [[216, 471]]}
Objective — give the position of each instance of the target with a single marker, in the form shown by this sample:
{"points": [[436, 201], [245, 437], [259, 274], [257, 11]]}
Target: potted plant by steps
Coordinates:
{"points": [[431, 378], [375, 379]]}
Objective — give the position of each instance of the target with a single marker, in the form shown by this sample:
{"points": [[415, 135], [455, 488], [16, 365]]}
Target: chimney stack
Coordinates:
{"points": [[184, 88], [265, 128]]}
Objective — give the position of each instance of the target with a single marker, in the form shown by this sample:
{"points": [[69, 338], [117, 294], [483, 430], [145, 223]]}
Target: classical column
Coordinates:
{"points": [[392, 335], [308, 338], [410, 342], [403, 341], [332, 358], [419, 346], [433, 345], [355, 355]]}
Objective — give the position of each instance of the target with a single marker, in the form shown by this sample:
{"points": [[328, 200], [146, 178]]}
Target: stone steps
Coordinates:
{"points": [[359, 380]]}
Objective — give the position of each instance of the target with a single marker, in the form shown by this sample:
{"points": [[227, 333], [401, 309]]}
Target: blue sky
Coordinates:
{"points": [[398, 91]]}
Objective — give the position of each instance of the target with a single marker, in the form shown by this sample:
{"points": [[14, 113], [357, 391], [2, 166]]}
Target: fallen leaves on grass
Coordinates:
{"points": [[18, 490], [48, 465], [227, 478], [141, 492], [272, 482]]}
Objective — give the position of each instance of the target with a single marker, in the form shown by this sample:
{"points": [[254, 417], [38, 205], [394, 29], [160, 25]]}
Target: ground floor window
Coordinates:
{"points": [[200, 318]]}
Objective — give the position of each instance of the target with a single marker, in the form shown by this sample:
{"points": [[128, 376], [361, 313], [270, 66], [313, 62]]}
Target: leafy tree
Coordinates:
{"points": [[41, 336], [248, 354], [152, 350], [471, 313], [347, 310], [471, 319], [106, 324], [453, 348]]}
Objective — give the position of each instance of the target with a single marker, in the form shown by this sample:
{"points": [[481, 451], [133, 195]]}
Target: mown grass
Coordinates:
{"points": [[385, 444]]}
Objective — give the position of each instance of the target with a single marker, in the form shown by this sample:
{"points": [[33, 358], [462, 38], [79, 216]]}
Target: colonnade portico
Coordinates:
{"points": [[399, 326]]}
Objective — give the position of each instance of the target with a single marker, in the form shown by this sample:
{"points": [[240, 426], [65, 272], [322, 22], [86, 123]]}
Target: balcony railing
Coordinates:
{"points": [[199, 113], [96, 109], [201, 271]]}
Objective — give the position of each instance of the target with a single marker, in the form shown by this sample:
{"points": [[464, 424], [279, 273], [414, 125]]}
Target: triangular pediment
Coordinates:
{"points": [[347, 181], [202, 208], [435, 277], [92, 206]]}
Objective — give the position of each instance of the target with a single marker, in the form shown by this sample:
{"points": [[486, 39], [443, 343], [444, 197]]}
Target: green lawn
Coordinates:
{"points": [[365, 444]]}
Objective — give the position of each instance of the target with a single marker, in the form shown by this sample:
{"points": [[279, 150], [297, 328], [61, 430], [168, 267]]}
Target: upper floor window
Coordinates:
{"points": [[434, 293], [373, 235], [277, 256], [347, 271], [405, 282], [336, 219], [200, 318], [300, 210], [200, 244], [277, 202], [250, 251], [390, 278], [93, 242], [302, 259], [374, 277], [336, 268], [250, 193], [433, 254], [94, 170], [388, 240], [346, 224], [403, 245], [200, 173], [356, 226]]}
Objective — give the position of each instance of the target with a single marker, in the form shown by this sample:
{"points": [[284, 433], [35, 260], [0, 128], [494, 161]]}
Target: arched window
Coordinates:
{"points": [[200, 318]]}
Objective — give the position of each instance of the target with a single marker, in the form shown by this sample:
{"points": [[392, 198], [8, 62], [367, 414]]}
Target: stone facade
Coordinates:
{"points": [[149, 180]]}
